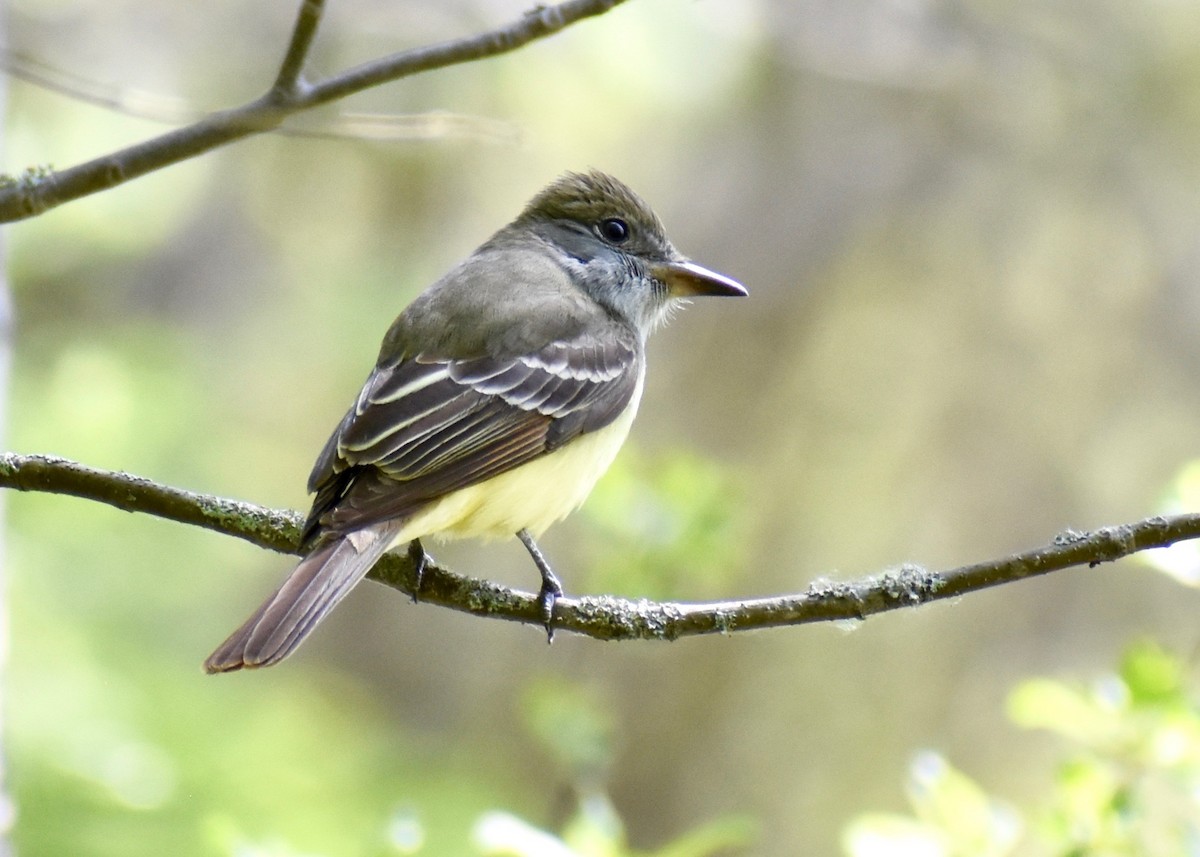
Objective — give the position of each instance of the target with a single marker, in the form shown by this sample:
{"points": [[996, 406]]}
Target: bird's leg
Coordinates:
{"points": [[420, 560], [551, 587]]}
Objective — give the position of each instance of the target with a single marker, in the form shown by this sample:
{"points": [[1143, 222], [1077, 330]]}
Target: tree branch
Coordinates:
{"points": [[288, 80], [267, 528], [430, 125], [41, 189], [604, 618]]}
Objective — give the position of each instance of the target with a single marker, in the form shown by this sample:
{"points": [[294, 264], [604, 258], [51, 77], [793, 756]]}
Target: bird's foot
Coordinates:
{"points": [[421, 560], [550, 592], [551, 589]]}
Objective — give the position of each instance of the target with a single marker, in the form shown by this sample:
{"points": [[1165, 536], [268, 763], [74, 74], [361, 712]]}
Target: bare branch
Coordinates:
{"points": [[142, 105], [605, 618], [268, 528], [42, 189], [430, 125], [288, 83], [536, 24]]}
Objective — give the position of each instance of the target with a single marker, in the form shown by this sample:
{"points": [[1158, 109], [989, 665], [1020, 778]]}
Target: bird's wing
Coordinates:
{"points": [[423, 427]]}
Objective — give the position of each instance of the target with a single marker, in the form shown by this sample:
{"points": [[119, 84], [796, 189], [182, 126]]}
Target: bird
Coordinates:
{"points": [[500, 396]]}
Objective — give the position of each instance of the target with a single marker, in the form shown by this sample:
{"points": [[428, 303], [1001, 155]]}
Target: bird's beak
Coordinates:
{"points": [[687, 279]]}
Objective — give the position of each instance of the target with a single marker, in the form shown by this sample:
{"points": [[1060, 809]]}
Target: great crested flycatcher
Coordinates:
{"points": [[501, 394]]}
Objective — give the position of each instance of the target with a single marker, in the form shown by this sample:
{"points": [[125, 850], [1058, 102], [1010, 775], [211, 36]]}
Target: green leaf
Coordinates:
{"points": [[887, 835], [950, 801], [1153, 676], [1043, 703]]}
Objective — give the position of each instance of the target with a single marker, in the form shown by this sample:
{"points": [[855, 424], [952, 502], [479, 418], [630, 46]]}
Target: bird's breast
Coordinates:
{"points": [[532, 496]]}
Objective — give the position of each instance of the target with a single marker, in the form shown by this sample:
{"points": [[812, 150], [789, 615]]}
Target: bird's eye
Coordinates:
{"points": [[614, 230]]}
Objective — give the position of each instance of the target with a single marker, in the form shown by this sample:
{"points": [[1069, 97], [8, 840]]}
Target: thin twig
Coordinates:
{"points": [[605, 618], [288, 82], [41, 189], [430, 125], [536, 24], [140, 105]]}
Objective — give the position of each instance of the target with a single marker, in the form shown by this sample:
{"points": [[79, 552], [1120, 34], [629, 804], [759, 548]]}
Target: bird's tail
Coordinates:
{"points": [[315, 586]]}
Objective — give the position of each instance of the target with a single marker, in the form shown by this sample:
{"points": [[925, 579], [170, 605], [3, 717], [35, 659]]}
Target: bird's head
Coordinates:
{"points": [[616, 249]]}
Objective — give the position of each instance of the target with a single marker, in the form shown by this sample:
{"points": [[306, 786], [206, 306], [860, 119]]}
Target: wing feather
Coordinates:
{"points": [[423, 427]]}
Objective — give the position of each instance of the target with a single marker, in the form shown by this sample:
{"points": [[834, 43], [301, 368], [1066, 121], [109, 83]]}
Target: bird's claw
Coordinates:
{"points": [[551, 589], [550, 592], [421, 561]]}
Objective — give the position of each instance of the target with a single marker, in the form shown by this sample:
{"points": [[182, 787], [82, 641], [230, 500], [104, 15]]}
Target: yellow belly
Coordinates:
{"points": [[532, 496]]}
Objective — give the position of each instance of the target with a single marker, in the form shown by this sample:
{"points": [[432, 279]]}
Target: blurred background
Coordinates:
{"points": [[969, 231]]}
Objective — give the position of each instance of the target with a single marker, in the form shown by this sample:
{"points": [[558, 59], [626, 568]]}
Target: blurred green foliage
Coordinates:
{"points": [[1128, 784], [673, 525], [574, 724], [595, 831]]}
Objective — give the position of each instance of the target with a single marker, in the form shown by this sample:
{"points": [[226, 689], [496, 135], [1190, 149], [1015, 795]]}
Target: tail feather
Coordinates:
{"points": [[315, 586]]}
